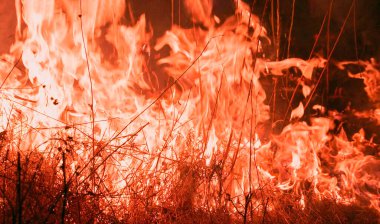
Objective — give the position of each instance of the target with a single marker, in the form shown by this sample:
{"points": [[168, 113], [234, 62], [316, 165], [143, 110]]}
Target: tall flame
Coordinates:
{"points": [[83, 70]]}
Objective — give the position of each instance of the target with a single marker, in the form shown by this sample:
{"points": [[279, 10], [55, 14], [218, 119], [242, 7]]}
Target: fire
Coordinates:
{"points": [[83, 86]]}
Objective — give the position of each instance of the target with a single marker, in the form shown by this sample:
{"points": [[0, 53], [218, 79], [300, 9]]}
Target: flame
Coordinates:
{"points": [[200, 11], [370, 75], [297, 112], [84, 71]]}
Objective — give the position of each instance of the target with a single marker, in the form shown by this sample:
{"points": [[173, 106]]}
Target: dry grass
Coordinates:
{"points": [[40, 188]]}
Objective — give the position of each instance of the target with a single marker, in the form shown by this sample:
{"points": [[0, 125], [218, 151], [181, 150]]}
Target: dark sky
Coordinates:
{"points": [[308, 17]]}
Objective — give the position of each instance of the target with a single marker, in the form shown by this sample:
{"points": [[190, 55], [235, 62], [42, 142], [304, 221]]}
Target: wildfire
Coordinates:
{"points": [[78, 89]]}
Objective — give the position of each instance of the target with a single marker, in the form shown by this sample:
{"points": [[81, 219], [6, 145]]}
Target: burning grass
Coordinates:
{"points": [[92, 132], [47, 187]]}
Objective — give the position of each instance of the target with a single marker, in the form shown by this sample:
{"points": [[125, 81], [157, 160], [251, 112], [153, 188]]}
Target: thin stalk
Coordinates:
{"points": [[65, 188], [355, 34], [278, 30], [91, 89], [329, 56], [328, 51], [291, 27], [310, 55], [18, 189]]}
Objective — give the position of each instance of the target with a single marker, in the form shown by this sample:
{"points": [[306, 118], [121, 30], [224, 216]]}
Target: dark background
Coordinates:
{"points": [[308, 17]]}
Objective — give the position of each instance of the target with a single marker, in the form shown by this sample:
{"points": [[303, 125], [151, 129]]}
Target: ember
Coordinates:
{"points": [[111, 116]]}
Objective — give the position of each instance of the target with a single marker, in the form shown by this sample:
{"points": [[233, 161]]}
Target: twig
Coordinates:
{"points": [[106, 158], [278, 31], [18, 189], [248, 200], [265, 211], [310, 55], [65, 186], [91, 89], [328, 52], [329, 56], [10, 72], [59, 121], [291, 27]]}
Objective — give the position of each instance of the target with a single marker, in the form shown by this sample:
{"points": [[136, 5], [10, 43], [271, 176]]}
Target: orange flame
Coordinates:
{"points": [[81, 61]]}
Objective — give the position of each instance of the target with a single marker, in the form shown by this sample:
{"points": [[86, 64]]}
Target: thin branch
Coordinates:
{"points": [[10, 72], [331, 53], [291, 27], [89, 75]]}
